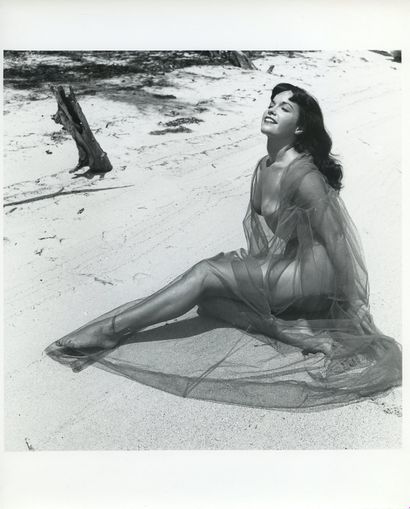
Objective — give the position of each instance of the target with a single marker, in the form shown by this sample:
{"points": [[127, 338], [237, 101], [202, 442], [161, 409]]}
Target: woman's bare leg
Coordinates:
{"points": [[302, 286], [172, 301], [181, 295]]}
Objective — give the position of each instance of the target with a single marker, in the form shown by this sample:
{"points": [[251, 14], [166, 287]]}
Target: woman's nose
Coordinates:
{"points": [[273, 112]]}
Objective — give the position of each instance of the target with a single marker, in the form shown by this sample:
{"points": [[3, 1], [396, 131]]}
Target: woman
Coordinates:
{"points": [[301, 282]]}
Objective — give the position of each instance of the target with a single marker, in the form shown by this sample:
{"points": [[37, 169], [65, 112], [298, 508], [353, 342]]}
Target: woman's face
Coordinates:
{"points": [[281, 118]]}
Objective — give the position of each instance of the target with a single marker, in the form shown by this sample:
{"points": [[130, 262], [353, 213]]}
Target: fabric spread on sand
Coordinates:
{"points": [[236, 351]]}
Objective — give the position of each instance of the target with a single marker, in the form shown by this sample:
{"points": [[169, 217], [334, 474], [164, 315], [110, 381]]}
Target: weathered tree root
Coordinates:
{"points": [[71, 116], [58, 193], [240, 59]]}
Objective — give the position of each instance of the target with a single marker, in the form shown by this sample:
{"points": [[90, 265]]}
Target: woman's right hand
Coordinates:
{"points": [[361, 313]]}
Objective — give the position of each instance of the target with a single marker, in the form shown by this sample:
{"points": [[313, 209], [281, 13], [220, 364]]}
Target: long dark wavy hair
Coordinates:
{"points": [[314, 139]]}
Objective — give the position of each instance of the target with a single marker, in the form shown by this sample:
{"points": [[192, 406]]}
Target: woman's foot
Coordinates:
{"points": [[322, 344], [95, 335], [310, 342]]}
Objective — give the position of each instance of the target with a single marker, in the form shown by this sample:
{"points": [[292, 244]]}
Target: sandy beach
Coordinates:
{"points": [[175, 196]]}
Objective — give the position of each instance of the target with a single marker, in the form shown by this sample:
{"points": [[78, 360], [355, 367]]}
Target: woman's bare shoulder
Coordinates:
{"points": [[304, 177], [262, 161], [259, 166]]}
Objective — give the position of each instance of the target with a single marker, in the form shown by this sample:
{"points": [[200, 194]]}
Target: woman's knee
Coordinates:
{"points": [[198, 273], [205, 276]]}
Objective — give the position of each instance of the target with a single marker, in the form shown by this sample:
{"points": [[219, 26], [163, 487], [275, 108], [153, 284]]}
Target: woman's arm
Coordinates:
{"points": [[256, 191], [326, 222]]}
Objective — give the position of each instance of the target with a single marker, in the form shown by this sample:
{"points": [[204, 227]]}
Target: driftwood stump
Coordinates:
{"points": [[240, 59], [236, 58], [71, 116]]}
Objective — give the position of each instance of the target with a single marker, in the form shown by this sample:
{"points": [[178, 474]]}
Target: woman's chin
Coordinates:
{"points": [[267, 130]]}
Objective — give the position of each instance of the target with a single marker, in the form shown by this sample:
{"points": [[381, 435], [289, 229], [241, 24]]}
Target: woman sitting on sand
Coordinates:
{"points": [[302, 281]]}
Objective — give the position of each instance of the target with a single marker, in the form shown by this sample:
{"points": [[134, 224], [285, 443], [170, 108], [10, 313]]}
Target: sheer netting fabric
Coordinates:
{"points": [[302, 280]]}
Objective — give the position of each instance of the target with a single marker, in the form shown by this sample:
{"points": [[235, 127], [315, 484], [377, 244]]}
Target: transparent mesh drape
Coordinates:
{"points": [[237, 350]]}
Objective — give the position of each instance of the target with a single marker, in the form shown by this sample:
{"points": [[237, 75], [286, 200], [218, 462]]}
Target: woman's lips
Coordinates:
{"points": [[270, 120]]}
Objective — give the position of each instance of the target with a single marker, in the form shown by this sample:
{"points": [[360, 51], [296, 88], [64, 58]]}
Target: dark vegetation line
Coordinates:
{"points": [[21, 70]]}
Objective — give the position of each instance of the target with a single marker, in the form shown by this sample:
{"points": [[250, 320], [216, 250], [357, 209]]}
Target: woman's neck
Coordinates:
{"points": [[278, 150]]}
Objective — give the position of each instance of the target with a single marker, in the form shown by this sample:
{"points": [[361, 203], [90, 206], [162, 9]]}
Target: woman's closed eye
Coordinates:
{"points": [[284, 107]]}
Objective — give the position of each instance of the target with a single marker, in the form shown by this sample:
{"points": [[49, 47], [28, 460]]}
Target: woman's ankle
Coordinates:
{"points": [[115, 328]]}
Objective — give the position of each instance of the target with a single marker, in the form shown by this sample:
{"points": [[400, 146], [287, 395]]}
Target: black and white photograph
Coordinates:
{"points": [[141, 171], [202, 250]]}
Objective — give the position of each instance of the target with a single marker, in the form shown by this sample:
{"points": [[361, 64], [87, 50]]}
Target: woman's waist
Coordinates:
{"points": [[294, 245]]}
